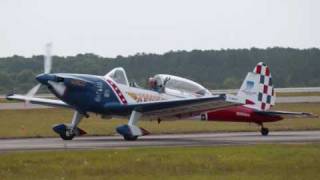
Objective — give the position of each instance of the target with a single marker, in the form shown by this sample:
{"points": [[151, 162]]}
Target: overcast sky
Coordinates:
{"points": [[125, 27]]}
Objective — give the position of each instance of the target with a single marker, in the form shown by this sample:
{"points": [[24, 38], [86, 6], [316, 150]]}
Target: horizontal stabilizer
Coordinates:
{"points": [[287, 114]]}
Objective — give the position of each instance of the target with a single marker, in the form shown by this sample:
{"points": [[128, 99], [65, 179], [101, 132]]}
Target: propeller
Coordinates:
{"points": [[48, 59], [47, 69]]}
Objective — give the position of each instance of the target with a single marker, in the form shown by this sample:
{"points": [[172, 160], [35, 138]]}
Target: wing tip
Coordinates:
{"points": [[311, 115], [8, 96]]}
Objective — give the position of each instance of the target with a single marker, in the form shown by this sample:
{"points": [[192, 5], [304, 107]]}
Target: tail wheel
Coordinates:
{"points": [[264, 131]]}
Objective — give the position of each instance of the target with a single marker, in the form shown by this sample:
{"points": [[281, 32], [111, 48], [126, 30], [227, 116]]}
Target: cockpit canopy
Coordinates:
{"points": [[183, 85], [162, 83], [119, 76]]}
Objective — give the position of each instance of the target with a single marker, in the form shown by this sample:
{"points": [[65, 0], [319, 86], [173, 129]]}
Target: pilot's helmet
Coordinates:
{"points": [[152, 83]]}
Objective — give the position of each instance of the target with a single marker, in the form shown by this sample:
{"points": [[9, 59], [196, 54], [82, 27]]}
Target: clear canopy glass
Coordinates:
{"points": [[180, 84], [119, 76]]}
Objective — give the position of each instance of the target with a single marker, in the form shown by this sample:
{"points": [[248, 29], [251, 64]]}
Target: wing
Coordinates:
{"points": [[182, 107], [41, 101], [287, 114]]}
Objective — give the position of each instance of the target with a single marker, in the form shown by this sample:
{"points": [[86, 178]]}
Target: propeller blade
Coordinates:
{"points": [[47, 69], [48, 59], [31, 93]]}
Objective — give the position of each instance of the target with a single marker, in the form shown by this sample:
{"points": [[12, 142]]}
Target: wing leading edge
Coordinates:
{"points": [[41, 101]]}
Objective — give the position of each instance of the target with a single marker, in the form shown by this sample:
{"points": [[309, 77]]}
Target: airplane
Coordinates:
{"points": [[168, 97]]}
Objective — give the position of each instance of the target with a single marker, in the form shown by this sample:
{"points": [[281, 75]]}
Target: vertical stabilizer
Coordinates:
{"points": [[257, 88]]}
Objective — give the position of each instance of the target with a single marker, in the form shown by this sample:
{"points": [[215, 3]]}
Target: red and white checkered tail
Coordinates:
{"points": [[257, 88]]}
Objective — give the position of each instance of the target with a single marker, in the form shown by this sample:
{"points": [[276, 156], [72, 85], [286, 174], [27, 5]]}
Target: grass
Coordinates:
{"points": [[2, 100], [274, 162], [38, 122]]}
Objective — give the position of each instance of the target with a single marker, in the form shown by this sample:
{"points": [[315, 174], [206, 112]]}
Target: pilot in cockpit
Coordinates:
{"points": [[155, 85]]}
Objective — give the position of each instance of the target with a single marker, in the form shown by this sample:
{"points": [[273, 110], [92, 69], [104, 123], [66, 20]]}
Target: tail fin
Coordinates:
{"points": [[257, 88]]}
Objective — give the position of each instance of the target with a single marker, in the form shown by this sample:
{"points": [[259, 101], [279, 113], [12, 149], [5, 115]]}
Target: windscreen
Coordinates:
{"points": [[119, 76]]}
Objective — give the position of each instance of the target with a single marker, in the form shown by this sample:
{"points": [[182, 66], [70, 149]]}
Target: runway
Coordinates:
{"points": [[185, 140], [298, 99]]}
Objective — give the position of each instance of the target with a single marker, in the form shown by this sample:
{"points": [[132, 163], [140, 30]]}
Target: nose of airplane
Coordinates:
{"points": [[44, 78]]}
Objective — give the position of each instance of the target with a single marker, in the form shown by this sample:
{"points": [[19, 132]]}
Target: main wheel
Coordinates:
{"points": [[264, 131], [67, 136], [130, 138]]}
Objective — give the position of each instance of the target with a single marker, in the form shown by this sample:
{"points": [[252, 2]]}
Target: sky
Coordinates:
{"points": [[125, 27]]}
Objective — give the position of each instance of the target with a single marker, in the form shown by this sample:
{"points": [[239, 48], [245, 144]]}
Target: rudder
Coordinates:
{"points": [[257, 88]]}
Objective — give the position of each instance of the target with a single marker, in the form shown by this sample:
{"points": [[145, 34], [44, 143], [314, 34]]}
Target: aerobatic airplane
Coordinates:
{"points": [[167, 97]]}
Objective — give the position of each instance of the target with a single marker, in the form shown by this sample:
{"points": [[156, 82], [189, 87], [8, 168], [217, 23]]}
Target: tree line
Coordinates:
{"points": [[215, 69]]}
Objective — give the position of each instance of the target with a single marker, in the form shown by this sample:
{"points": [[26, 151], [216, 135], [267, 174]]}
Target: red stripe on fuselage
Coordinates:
{"points": [[117, 92]]}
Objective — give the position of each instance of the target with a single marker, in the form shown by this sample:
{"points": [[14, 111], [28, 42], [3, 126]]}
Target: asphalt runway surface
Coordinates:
{"points": [[297, 99], [184, 140]]}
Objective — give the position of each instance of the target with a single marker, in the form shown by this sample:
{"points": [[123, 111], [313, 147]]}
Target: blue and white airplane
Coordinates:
{"points": [[112, 95]]}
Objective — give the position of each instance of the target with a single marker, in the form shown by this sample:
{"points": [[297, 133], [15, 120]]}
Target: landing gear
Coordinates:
{"points": [[68, 132], [67, 136], [264, 131], [64, 131], [131, 131]]}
